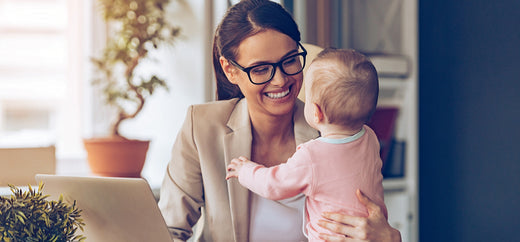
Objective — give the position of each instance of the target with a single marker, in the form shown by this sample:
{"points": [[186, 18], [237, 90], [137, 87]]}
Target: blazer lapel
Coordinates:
{"points": [[238, 143]]}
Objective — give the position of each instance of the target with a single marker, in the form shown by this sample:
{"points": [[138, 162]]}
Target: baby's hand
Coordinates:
{"points": [[234, 167]]}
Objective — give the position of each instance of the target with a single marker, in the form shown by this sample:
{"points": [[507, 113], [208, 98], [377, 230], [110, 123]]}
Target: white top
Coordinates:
{"points": [[276, 220]]}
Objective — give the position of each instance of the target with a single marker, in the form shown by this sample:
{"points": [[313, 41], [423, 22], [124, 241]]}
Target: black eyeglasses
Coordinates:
{"points": [[263, 73]]}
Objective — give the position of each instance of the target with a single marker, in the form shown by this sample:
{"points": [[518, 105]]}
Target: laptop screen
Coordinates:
{"points": [[113, 209]]}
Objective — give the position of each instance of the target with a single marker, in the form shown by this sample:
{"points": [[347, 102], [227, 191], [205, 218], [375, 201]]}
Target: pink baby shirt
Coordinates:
{"points": [[328, 172]]}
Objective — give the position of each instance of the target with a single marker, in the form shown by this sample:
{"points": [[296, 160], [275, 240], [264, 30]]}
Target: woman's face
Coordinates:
{"points": [[278, 96]]}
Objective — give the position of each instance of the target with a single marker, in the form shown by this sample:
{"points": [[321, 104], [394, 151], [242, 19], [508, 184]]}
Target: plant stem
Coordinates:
{"points": [[122, 114]]}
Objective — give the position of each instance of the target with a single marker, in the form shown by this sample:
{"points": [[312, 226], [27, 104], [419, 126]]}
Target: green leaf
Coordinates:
{"points": [[29, 216]]}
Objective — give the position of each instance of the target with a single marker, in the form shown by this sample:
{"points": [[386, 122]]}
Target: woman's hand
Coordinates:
{"points": [[375, 227]]}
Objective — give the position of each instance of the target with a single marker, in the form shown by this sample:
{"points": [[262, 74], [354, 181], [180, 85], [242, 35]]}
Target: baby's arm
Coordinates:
{"points": [[276, 182], [235, 165]]}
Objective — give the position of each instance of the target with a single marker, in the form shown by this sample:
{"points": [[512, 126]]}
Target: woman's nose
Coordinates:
{"points": [[279, 77]]}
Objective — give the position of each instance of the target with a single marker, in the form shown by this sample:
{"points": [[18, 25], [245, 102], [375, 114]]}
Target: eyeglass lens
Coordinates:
{"points": [[289, 66]]}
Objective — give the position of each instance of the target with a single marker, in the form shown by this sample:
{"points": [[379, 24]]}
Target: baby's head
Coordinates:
{"points": [[344, 84]]}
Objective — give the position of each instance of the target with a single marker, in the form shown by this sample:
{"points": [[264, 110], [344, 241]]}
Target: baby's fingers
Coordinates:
{"points": [[232, 169], [231, 174], [235, 161]]}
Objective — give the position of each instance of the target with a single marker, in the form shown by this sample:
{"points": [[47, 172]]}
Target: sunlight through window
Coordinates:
{"points": [[38, 53]]}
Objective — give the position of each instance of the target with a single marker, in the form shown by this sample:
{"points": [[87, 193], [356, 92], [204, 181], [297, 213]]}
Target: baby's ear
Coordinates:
{"points": [[318, 113], [228, 69]]}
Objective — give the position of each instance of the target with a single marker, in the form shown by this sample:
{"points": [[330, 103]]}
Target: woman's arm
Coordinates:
{"points": [[375, 227], [181, 192]]}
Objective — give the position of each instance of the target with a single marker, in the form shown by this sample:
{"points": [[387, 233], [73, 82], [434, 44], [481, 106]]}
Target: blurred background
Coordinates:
{"points": [[469, 111], [459, 101]]}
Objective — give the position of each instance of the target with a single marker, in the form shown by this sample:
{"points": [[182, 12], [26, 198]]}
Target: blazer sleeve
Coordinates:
{"points": [[181, 196]]}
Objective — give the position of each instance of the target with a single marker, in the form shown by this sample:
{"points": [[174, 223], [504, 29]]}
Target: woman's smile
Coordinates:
{"points": [[278, 94]]}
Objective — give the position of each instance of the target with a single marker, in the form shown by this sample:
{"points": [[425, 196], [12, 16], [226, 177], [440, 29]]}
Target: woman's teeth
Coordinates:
{"points": [[278, 94]]}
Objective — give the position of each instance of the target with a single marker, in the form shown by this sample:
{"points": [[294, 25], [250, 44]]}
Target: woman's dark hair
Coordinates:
{"points": [[243, 20]]}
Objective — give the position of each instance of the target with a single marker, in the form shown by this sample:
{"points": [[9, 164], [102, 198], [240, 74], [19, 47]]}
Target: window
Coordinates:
{"points": [[45, 91], [42, 57]]}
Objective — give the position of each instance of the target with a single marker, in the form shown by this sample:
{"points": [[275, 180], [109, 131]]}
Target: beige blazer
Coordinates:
{"points": [[195, 184]]}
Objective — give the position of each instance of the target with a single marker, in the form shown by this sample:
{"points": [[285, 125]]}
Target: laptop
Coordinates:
{"points": [[113, 209]]}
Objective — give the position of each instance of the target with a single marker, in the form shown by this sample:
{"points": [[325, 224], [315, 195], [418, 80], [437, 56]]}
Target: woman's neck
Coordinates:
{"points": [[270, 128], [273, 140]]}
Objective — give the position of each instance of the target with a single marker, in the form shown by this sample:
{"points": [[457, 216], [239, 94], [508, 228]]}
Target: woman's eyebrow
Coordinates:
{"points": [[292, 52], [295, 51]]}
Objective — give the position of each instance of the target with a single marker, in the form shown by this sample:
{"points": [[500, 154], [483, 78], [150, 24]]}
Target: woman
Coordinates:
{"points": [[258, 62]]}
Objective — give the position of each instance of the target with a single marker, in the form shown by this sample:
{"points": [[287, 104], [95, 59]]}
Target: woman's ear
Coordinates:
{"points": [[228, 69]]}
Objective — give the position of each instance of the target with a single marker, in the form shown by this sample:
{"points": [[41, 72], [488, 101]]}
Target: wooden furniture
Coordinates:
{"points": [[18, 166]]}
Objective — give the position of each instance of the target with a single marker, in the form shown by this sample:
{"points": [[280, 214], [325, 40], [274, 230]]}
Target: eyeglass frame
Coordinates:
{"points": [[274, 65]]}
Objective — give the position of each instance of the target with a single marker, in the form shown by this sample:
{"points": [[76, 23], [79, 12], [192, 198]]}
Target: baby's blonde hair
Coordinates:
{"points": [[345, 85]]}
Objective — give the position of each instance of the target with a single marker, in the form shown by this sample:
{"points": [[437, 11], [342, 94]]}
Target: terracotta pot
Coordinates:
{"points": [[116, 156]]}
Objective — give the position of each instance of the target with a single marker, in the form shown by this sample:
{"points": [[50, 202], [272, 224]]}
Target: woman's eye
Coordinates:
{"points": [[260, 70], [290, 61]]}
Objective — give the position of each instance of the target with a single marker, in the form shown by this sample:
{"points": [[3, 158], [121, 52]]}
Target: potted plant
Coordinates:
{"points": [[28, 216], [139, 26]]}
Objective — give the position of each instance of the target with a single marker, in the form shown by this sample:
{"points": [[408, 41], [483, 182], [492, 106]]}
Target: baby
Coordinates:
{"points": [[340, 97]]}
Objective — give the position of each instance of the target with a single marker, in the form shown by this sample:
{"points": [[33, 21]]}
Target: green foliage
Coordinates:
{"points": [[28, 216], [140, 26]]}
